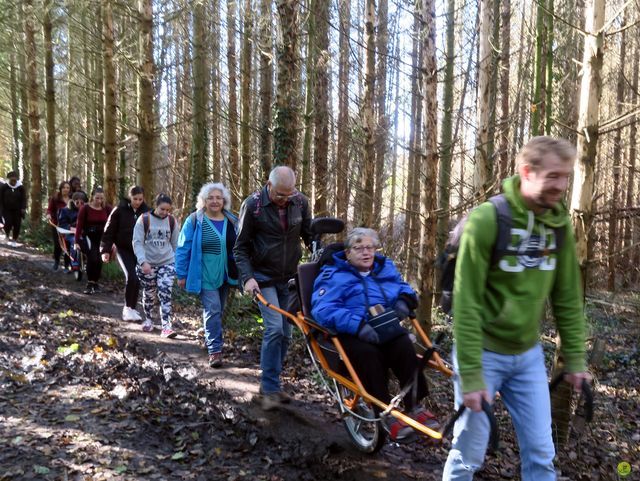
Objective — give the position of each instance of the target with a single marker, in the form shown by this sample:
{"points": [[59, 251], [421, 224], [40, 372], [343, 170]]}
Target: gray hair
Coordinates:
{"points": [[207, 188], [278, 176], [358, 233]]}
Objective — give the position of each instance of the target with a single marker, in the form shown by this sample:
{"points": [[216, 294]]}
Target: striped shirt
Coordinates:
{"points": [[210, 240]]}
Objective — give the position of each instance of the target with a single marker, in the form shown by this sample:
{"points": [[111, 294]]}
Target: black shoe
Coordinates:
{"points": [[56, 264], [90, 289]]}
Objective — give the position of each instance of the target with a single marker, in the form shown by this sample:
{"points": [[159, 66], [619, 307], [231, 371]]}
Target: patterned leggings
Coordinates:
{"points": [[156, 288]]}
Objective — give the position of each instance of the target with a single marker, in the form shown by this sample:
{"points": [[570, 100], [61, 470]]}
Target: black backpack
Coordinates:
{"points": [[447, 260]]}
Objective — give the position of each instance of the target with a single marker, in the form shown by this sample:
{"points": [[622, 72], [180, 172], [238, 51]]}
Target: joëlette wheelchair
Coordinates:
{"points": [[77, 258], [363, 425]]}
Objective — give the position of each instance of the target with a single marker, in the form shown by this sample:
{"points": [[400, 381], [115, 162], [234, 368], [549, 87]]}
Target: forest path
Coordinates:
{"points": [[132, 404]]}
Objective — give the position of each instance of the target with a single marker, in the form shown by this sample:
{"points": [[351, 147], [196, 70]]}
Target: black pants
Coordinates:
{"points": [[372, 363], [57, 250], [94, 262], [127, 260], [12, 222]]}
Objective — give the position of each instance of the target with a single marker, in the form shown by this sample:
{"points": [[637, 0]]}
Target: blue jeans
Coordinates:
{"points": [[212, 306], [277, 333], [522, 382]]}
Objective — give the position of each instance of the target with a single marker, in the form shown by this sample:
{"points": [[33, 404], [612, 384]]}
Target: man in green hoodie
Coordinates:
{"points": [[497, 308]]}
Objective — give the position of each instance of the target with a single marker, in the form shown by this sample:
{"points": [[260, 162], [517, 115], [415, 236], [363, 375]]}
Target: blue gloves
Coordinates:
{"points": [[402, 309], [368, 334]]}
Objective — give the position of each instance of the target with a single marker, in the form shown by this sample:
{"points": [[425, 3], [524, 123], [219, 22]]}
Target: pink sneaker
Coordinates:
{"points": [[169, 333]]}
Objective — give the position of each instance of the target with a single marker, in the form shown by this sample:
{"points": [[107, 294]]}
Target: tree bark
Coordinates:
{"points": [[50, 99], [305, 179], [590, 92], [539, 87], [285, 141], [429, 165], [505, 68], [15, 114], [321, 107], [482, 166], [34, 114], [234, 159], [342, 149], [245, 95], [382, 130], [110, 105], [201, 85], [146, 116], [266, 85]]}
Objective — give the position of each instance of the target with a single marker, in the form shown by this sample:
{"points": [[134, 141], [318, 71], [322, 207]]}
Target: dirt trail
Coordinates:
{"points": [[116, 379]]}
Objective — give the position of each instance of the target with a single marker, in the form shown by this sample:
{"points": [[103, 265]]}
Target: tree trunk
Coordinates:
{"points": [[382, 131], [430, 163], [110, 105], [368, 120], [234, 159], [444, 181], [25, 134], [199, 134], [394, 158], [321, 107], [305, 179], [549, 67], [482, 167], [505, 68], [50, 99], [146, 116], [631, 223], [266, 85], [612, 242], [539, 97], [245, 96], [15, 115], [590, 91], [34, 113], [285, 142], [214, 73], [342, 149]]}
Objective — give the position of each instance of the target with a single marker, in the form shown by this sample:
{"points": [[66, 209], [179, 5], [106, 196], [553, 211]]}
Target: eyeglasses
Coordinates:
{"points": [[288, 196], [361, 249]]}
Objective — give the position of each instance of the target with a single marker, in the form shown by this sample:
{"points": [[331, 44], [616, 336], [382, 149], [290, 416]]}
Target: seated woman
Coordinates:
{"points": [[67, 219], [344, 292]]}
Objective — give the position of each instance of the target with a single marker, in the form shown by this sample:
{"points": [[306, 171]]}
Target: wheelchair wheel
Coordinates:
{"points": [[365, 432]]}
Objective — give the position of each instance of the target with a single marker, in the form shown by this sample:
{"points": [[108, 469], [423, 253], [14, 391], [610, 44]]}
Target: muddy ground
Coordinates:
{"points": [[86, 396]]}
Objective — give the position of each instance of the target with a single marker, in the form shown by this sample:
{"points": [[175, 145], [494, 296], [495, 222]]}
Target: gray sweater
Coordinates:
{"points": [[159, 245]]}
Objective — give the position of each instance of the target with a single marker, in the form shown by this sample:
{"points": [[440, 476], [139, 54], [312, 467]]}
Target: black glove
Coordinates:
{"points": [[368, 334], [402, 309]]}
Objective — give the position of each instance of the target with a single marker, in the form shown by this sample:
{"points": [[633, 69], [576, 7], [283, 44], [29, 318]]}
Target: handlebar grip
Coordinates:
{"points": [[494, 436], [587, 394]]}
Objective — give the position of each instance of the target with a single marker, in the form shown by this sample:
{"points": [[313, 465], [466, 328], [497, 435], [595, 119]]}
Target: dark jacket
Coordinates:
{"points": [[339, 302], [67, 217], [119, 227], [12, 197], [264, 250]]}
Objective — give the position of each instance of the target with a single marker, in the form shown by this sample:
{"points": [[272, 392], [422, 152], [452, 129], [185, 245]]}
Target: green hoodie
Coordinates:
{"points": [[499, 307]]}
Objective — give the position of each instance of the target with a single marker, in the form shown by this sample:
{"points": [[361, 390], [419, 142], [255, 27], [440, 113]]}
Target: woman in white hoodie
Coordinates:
{"points": [[155, 238]]}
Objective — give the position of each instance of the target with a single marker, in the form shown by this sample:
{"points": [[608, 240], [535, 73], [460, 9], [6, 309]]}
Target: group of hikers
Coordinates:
{"points": [[498, 298]]}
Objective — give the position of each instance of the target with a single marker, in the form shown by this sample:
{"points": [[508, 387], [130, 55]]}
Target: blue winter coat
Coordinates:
{"points": [[189, 251], [338, 301]]}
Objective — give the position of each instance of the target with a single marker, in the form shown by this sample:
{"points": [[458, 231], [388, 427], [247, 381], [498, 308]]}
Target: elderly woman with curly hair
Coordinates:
{"points": [[204, 260], [357, 281]]}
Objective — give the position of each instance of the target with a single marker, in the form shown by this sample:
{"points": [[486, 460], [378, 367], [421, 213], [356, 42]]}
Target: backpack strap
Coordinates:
{"points": [[172, 223], [505, 221]]}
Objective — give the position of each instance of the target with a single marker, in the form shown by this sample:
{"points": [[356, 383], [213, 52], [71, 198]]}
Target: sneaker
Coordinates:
{"points": [[56, 264], [426, 417], [270, 401], [129, 314], [215, 359], [90, 289], [147, 326], [168, 333], [398, 430]]}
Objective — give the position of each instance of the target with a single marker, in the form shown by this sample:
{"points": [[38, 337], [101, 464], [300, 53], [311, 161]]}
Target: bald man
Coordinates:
{"points": [[267, 252]]}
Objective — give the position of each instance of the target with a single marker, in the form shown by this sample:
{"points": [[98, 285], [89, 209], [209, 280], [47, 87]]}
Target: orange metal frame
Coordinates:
{"points": [[354, 384]]}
